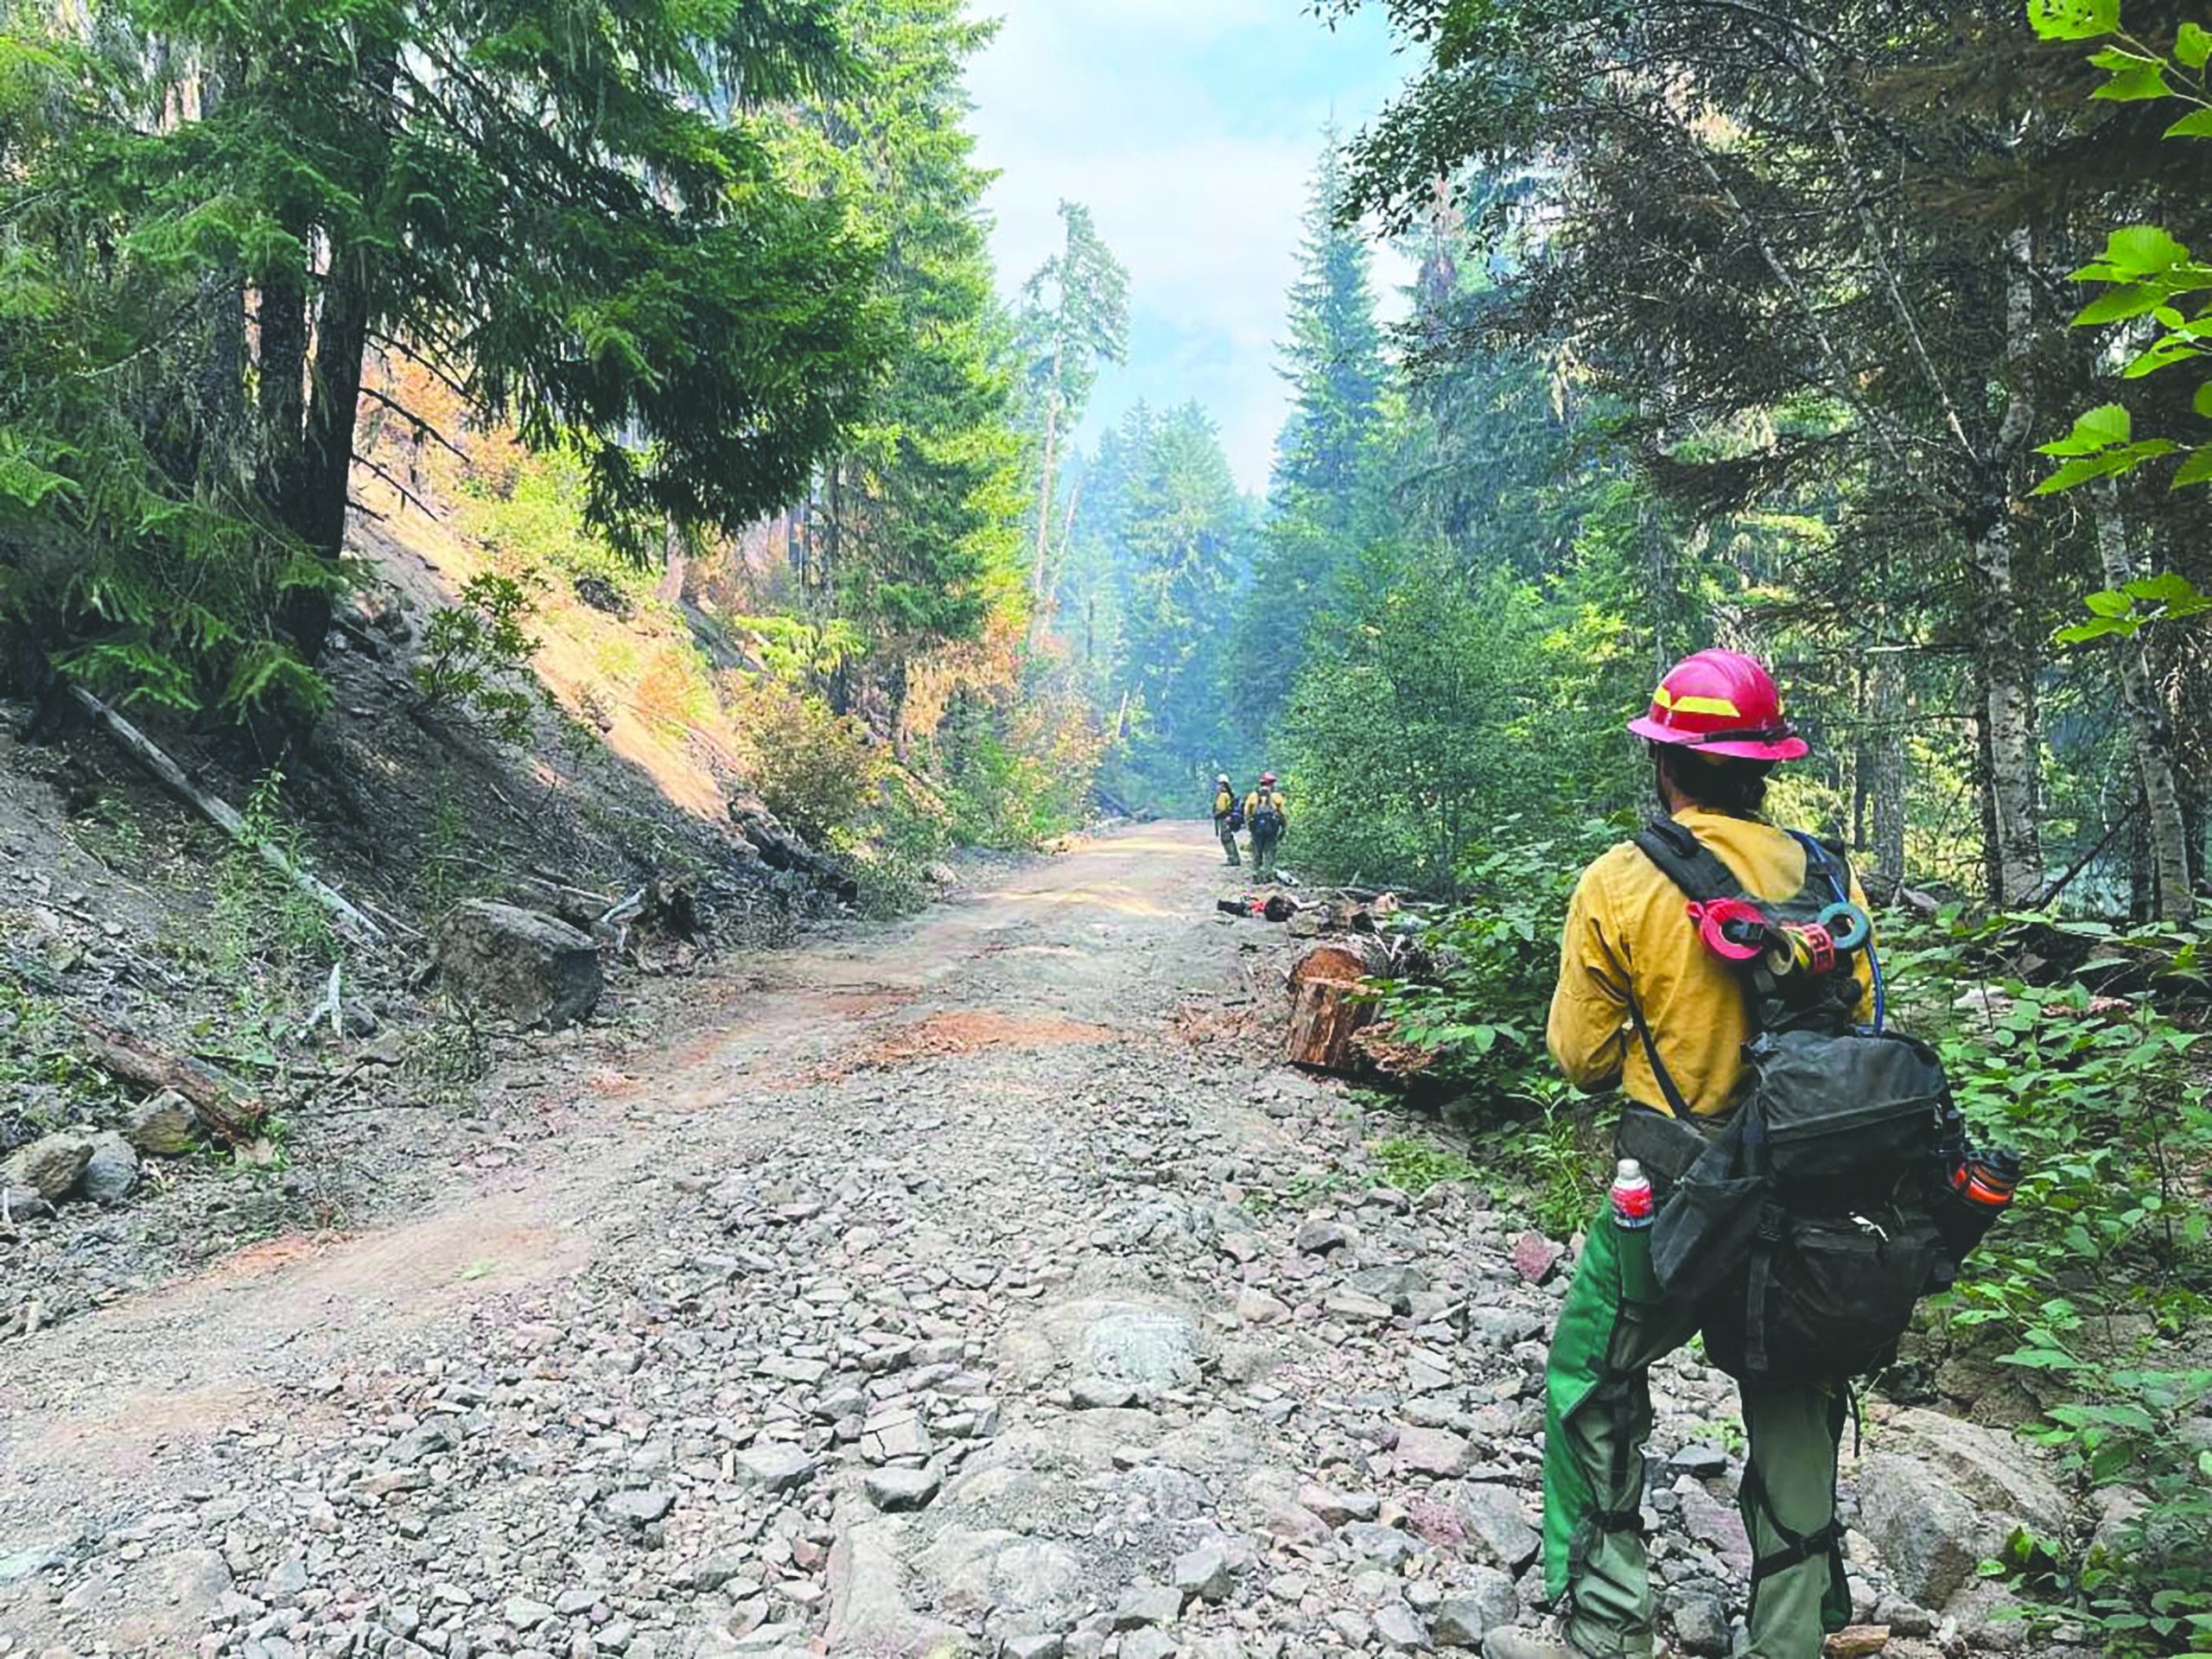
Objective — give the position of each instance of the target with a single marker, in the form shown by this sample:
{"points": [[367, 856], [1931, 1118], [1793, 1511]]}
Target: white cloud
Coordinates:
{"points": [[1190, 130]]}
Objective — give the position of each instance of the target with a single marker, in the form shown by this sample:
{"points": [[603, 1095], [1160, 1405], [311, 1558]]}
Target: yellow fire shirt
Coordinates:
{"points": [[1692, 1000]]}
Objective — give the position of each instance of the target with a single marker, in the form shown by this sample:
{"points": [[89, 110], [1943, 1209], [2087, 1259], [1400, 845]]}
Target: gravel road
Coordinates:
{"points": [[981, 1285]]}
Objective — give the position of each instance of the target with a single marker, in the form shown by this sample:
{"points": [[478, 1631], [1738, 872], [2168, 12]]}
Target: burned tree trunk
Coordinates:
{"points": [[1327, 1006], [230, 1113]]}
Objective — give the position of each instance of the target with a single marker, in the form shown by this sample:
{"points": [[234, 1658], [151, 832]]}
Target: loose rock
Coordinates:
{"points": [[50, 1166], [111, 1171], [161, 1125]]}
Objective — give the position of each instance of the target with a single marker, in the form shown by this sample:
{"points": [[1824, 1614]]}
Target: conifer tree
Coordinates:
{"points": [[1327, 499], [541, 204], [1073, 319], [1186, 527], [915, 523]]}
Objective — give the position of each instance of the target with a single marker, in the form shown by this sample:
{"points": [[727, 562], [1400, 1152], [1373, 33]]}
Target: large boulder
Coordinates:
{"points": [[519, 964], [1153, 1349], [51, 1165], [1940, 1495]]}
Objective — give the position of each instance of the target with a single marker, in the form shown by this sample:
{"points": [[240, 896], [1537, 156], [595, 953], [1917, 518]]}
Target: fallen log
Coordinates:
{"points": [[171, 776], [232, 1113], [1327, 1008]]}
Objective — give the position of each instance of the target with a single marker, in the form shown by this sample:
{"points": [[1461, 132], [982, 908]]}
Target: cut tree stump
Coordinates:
{"points": [[231, 1113], [1327, 1008]]}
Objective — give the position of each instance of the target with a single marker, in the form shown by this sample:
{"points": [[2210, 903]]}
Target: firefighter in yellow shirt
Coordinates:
{"points": [[1266, 816], [1228, 818], [1715, 729]]}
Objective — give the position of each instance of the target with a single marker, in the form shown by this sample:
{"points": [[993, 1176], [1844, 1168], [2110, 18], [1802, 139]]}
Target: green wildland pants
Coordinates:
{"points": [[1228, 839], [1613, 1326], [1263, 853]]}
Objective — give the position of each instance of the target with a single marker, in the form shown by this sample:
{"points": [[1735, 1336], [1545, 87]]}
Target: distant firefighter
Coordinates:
{"points": [[1228, 815], [1267, 815]]}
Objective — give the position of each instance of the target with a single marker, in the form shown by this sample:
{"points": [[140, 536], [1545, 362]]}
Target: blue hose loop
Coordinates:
{"points": [[1816, 853]]}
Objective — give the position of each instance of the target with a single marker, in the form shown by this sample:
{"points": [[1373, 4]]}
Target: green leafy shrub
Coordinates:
{"points": [[476, 655], [1429, 723], [45, 1083], [2098, 1097], [819, 771], [2144, 1582], [1413, 1165], [1003, 797], [1497, 955], [906, 834], [532, 508]]}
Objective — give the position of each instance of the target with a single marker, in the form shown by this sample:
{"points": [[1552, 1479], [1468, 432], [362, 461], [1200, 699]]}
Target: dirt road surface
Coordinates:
{"points": [[981, 1285]]}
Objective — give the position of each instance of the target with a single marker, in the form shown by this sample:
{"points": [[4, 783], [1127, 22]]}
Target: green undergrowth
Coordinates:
{"points": [[45, 1083], [1414, 1165]]}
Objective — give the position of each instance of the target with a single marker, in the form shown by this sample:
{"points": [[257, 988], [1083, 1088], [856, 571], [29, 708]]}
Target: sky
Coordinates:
{"points": [[1190, 128]]}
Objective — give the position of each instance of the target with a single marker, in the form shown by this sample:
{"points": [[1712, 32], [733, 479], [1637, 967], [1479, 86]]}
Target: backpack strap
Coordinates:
{"points": [[1697, 870], [1687, 861]]}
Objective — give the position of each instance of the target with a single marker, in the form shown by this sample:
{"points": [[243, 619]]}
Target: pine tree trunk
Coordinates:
{"points": [[1886, 787], [2141, 876], [314, 504], [2193, 825], [2004, 671], [1862, 764], [1049, 592], [669, 589], [280, 315], [2148, 731], [317, 506], [2005, 656], [1659, 572], [1044, 479]]}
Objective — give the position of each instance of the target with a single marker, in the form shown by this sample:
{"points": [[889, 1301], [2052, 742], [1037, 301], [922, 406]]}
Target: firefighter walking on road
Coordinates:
{"points": [[1267, 817], [1228, 816]]}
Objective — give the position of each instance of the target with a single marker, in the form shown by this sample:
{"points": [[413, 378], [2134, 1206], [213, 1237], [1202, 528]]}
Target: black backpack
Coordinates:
{"points": [[1805, 1234], [1266, 817]]}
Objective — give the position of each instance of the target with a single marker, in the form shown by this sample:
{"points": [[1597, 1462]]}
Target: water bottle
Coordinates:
{"points": [[1631, 1195]]}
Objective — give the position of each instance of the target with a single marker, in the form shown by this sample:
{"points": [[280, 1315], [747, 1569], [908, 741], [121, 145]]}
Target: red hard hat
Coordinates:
{"points": [[1266, 777], [1721, 703]]}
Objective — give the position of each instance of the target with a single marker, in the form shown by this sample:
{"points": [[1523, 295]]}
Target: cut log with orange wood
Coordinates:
{"points": [[231, 1113], [1327, 1007]]}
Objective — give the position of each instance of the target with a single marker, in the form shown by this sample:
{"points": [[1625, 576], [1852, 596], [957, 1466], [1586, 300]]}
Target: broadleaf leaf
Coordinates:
{"points": [[2074, 20]]}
